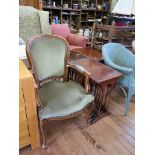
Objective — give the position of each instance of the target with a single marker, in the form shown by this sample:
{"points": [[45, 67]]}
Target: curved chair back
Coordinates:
{"points": [[47, 56], [118, 54]]}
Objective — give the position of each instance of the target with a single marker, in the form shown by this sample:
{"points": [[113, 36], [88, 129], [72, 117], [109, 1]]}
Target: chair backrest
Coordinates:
{"points": [[32, 22], [60, 30], [47, 56], [118, 54]]}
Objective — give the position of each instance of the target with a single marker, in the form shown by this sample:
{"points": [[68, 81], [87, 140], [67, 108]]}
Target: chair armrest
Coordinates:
{"points": [[39, 105], [77, 40], [36, 87], [80, 69], [84, 72], [125, 70]]}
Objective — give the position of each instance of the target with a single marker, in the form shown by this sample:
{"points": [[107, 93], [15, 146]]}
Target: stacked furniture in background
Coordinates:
{"points": [[111, 33]]}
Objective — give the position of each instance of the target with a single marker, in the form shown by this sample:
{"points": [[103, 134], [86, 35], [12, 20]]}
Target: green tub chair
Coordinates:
{"points": [[120, 58], [61, 88]]}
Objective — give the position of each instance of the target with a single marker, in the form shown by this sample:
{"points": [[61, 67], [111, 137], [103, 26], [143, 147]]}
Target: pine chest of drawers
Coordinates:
{"points": [[28, 122]]}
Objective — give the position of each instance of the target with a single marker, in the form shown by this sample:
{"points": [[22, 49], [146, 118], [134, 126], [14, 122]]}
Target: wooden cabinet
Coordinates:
{"points": [[35, 3], [78, 13], [28, 122]]}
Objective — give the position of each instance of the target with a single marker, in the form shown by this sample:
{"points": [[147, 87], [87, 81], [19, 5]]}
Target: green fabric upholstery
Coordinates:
{"points": [[44, 21], [29, 22], [62, 99], [32, 22], [21, 41], [48, 56]]}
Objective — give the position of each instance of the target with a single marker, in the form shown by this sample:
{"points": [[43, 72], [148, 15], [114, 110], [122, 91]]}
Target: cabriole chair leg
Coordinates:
{"points": [[43, 133]]}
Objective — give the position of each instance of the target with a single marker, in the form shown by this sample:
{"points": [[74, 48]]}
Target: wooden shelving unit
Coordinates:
{"points": [[78, 13]]}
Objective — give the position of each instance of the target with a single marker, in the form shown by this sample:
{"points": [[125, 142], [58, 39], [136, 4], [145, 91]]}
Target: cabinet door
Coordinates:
{"points": [[34, 3], [28, 121], [22, 2]]}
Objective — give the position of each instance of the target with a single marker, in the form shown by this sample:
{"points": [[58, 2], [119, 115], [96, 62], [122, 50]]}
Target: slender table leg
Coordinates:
{"points": [[101, 94]]}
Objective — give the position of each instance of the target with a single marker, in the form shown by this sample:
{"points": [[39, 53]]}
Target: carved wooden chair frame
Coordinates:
{"points": [[72, 72]]}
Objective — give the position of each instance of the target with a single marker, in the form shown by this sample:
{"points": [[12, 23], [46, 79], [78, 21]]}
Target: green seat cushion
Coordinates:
{"points": [[62, 98]]}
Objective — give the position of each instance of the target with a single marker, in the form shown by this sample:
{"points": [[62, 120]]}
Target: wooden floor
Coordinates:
{"points": [[111, 135]]}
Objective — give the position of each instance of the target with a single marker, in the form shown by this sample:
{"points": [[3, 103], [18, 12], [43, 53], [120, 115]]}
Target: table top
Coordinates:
{"points": [[100, 73], [90, 53]]}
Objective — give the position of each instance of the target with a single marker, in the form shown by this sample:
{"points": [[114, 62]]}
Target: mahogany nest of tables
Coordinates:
{"points": [[102, 81]]}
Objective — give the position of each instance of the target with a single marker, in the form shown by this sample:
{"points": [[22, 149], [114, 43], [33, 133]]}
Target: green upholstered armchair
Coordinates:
{"points": [[32, 22], [57, 83]]}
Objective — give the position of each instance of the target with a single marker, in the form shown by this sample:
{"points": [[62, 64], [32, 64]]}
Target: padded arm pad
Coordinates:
{"points": [[80, 69], [77, 40], [84, 72], [120, 68]]}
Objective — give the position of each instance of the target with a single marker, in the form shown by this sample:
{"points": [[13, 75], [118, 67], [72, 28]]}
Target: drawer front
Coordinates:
{"points": [[24, 138]]}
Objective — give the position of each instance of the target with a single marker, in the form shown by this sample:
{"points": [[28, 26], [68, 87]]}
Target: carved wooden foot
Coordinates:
{"points": [[43, 133]]}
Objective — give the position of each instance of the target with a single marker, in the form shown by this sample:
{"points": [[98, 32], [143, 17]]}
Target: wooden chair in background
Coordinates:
{"points": [[111, 33]]}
